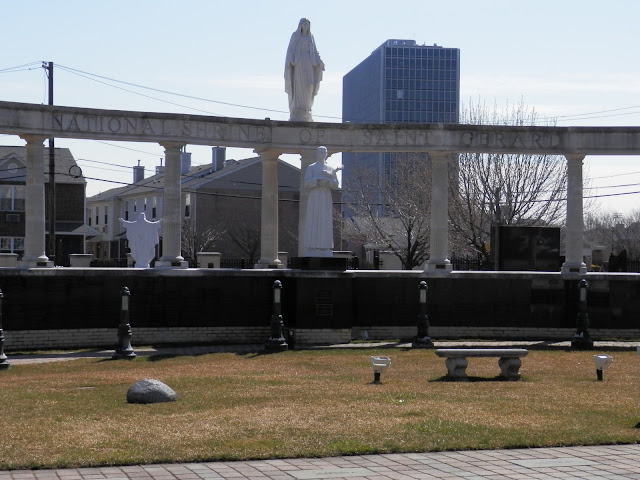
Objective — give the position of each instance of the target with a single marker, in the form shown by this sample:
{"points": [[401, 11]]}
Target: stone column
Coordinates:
{"points": [[34, 231], [172, 210], [269, 220], [307, 157], [439, 243], [575, 222]]}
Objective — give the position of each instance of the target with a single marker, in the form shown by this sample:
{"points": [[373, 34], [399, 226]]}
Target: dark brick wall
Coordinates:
{"points": [[69, 202], [64, 298]]}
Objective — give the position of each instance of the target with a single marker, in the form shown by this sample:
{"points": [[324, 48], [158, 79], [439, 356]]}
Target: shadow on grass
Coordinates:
{"points": [[447, 379]]}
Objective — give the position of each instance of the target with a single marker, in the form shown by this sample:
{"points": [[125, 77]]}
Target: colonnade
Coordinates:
{"points": [[34, 254], [438, 262]]}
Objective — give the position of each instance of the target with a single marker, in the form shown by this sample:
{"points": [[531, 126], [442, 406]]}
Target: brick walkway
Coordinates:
{"points": [[586, 463]]}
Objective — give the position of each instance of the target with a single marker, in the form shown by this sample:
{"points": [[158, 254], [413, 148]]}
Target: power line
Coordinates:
{"points": [[167, 92], [20, 68]]}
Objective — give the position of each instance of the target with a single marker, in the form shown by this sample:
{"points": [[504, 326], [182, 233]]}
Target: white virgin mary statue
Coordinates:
{"points": [[302, 72]]}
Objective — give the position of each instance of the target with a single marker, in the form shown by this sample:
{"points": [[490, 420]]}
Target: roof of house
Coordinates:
{"points": [[194, 179], [13, 161]]}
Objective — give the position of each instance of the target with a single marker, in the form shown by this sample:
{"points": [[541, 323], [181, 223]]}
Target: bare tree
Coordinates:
{"points": [[392, 210], [488, 190], [196, 240], [615, 232], [246, 237]]}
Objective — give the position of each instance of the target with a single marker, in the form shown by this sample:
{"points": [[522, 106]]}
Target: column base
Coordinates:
{"points": [[574, 268], [264, 263], [439, 266], [171, 264], [39, 262]]}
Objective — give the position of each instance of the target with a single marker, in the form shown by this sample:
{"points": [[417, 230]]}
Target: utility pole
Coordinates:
{"points": [[52, 177]]}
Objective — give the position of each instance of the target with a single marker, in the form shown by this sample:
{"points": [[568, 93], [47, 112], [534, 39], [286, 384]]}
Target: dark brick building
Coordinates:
{"points": [[70, 228]]}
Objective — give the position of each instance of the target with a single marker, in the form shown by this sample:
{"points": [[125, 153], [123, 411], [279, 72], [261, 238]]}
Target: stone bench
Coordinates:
{"points": [[456, 360]]}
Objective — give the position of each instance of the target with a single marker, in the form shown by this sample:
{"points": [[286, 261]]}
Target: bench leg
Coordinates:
{"points": [[509, 368], [457, 368]]}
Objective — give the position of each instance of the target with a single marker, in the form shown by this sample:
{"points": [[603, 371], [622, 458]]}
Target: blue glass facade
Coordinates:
{"points": [[400, 82]]}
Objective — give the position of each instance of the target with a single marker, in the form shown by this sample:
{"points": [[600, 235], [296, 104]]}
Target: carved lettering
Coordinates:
{"points": [[305, 135], [114, 125], [73, 124], [130, 125], [219, 132], [382, 139], [244, 133], [55, 120], [535, 138], [467, 138], [517, 141], [165, 130], [146, 127]]}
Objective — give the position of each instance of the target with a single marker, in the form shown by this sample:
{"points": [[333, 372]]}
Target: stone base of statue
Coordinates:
{"points": [[581, 342], [424, 342], [319, 263], [171, 264]]}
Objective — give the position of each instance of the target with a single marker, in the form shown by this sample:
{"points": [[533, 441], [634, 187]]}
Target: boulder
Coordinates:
{"points": [[150, 391]]}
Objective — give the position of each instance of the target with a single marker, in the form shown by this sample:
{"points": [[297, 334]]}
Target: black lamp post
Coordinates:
{"points": [[276, 342], [582, 339], [422, 340], [4, 363], [124, 349]]}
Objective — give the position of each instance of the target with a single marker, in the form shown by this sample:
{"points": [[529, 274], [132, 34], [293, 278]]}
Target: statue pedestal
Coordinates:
{"points": [[319, 263]]}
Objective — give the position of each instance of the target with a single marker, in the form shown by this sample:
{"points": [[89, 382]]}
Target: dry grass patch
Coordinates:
{"points": [[308, 403]]}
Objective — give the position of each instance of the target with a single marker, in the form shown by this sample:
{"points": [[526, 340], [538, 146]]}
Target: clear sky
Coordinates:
{"points": [[576, 60]]}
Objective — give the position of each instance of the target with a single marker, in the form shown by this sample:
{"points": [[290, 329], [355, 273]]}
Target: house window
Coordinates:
{"points": [[12, 198], [97, 216], [144, 207], [126, 210], [106, 216], [154, 209], [11, 244], [135, 206], [187, 205], [90, 216]]}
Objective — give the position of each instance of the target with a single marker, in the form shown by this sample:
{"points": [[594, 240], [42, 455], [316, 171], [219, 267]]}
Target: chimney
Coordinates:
{"points": [[185, 163], [218, 157], [138, 173], [159, 168]]}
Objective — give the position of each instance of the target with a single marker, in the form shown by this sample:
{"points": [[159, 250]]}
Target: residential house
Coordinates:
{"points": [[70, 229], [222, 197]]}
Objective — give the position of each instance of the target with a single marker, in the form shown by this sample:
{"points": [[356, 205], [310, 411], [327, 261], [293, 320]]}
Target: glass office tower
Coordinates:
{"points": [[400, 82]]}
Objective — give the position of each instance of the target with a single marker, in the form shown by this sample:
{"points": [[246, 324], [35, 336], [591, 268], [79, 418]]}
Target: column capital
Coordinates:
{"points": [[268, 153], [169, 145], [574, 157], [440, 155], [32, 138]]}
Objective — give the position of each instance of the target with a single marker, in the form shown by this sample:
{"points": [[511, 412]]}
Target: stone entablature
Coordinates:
{"points": [[291, 137]]}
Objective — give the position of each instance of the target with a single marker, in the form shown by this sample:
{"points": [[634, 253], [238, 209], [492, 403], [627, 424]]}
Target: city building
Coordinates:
{"points": [[400, 82], [70, 229]]}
